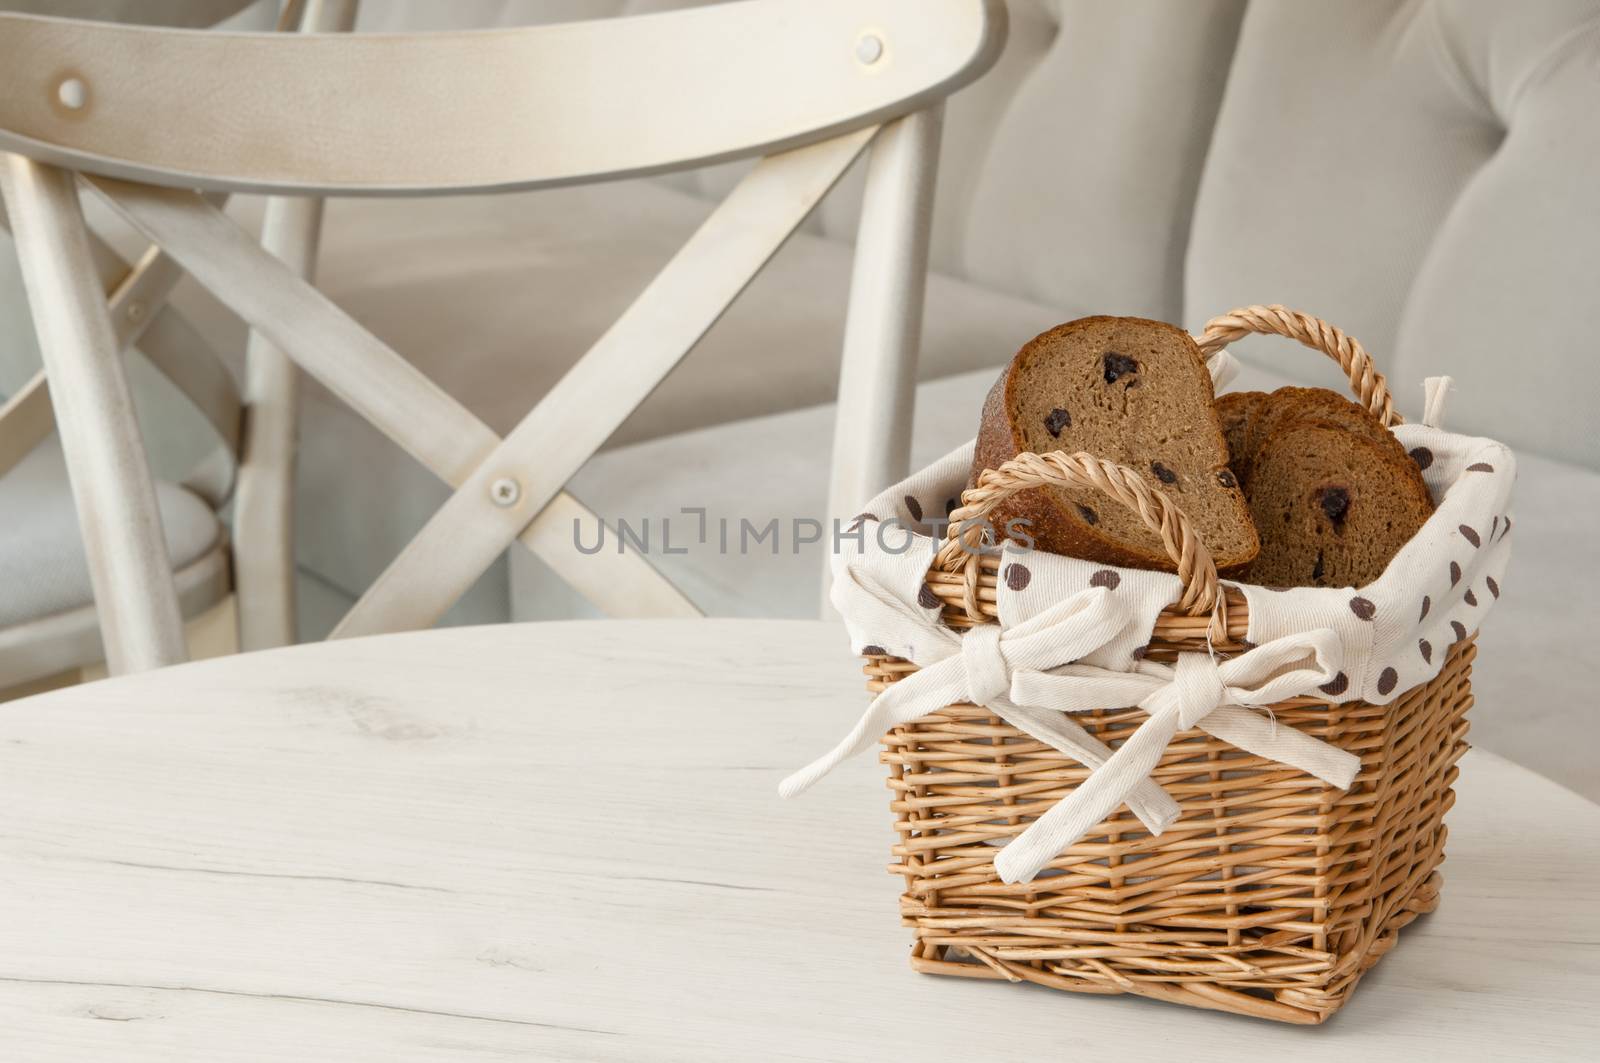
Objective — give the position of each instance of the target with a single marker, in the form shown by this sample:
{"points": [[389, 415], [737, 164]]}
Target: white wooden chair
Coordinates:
{"points": [[51, 629], [806, 84]]}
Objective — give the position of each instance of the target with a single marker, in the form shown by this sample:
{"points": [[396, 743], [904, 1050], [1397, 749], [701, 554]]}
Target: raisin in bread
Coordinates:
{"points": [[1333, 493], [1132, 391]]}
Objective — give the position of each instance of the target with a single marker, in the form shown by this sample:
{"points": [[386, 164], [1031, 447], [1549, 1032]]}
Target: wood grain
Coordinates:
{"points": [[561, 841]]}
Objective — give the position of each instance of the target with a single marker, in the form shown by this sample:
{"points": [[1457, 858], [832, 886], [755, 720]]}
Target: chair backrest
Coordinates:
{"points": [[806, 84], [408, 114]]}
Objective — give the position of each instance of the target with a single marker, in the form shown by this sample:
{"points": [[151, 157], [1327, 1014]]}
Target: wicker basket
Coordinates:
{"points": [[1272, 893]]}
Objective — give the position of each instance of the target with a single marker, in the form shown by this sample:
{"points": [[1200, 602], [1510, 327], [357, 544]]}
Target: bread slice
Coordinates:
{"points": [[1234, 413], [1333, 505], [1132, 391]]}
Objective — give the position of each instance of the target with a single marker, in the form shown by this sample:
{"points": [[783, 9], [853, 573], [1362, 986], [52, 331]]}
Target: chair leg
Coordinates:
{"points": [[263, 516], [883, 329], [111, 484], [263, 513]]}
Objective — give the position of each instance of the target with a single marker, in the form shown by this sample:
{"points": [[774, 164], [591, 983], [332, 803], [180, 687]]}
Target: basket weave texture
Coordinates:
{"points": [[1270, 895]]}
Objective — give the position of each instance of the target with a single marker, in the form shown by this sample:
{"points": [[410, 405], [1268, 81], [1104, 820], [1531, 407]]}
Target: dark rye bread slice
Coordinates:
{"points": [[1128, 390], [1333, 506], [1234, 412]]}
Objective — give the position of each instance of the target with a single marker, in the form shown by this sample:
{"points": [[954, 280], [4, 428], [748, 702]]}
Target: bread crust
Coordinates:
{"points": [[1053, 527]]}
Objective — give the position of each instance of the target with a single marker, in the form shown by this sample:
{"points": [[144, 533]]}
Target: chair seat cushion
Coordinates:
{"points": [[43, 568]]}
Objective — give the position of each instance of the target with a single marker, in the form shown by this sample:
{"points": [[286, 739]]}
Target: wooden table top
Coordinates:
{"points": [[562, 841]]}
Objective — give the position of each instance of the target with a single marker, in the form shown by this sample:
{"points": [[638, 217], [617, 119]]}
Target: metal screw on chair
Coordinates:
{"points": [[505, 491], [869, 49], [72, 93], [135, 311]]}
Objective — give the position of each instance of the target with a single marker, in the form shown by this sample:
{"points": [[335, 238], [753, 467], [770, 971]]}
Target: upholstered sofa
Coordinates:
{"points": [[1424, 173]]}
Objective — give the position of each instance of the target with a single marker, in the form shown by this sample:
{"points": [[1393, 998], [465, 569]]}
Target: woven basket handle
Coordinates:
{"points": [[1366, 382], [963, 538]]}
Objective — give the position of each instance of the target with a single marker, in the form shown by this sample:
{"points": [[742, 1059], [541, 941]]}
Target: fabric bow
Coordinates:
{"points": [[1199, 691], [980, 667], [1022, 674]]}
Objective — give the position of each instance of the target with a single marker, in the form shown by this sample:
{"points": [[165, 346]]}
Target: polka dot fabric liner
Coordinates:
{"points": [[1395, 631]]}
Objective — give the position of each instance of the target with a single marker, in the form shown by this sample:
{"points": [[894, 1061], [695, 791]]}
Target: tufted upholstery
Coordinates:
{"points": [[1423, 173]]}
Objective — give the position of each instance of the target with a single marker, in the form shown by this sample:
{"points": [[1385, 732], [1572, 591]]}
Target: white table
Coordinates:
{"points": [[511, 842]]}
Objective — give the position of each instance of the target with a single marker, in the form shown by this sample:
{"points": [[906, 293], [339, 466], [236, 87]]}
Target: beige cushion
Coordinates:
{"points": [[1088, 178], [43, 569], [1422, 174]]}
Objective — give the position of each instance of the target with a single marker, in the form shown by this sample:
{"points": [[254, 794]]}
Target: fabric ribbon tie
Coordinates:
{"points": [[982, 667], [1022, 675], [987, 670], [1198, 692]]}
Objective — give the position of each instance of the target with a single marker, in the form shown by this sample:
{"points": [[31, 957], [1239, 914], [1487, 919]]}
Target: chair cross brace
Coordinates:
{"points": [[561, 432]]}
